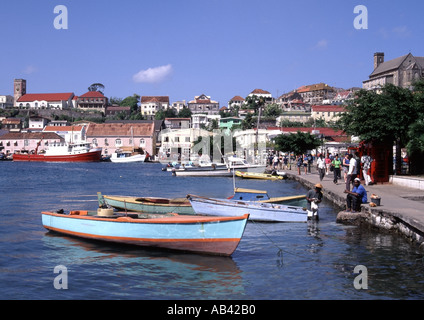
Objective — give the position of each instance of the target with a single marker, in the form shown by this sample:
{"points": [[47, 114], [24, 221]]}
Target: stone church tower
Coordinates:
{"points": [[19, 89]]}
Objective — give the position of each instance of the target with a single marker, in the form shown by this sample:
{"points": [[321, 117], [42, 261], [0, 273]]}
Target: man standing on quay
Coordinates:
{"points": [[351, 174]]}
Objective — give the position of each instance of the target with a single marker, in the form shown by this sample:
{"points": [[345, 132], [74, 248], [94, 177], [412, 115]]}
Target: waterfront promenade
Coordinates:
{"points": [[401, 208]]}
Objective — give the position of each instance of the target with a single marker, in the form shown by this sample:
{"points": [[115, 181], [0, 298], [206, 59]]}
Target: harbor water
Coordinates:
{"points": [[274, 261]]}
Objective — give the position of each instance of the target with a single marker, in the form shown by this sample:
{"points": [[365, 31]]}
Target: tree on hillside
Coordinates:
{"points": [[299, 142], [97, 87], [131, 101], [254, 102]]}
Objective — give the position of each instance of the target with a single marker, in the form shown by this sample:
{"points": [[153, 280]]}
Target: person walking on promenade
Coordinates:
{"points": [[321, 167], [351, 174], [275, 162], [336, 164], [286, 161], [345, 166], [313, 198], [305, 163], [299, 164], [327, 164], [366, 165], [356, 197]]}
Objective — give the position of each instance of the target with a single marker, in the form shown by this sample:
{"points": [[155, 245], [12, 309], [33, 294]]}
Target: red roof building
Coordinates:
{"points": [[92, 101], [45, 101]]}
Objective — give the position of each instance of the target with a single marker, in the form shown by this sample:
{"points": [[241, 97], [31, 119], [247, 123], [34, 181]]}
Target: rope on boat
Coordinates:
{"points": [[280, 250]]}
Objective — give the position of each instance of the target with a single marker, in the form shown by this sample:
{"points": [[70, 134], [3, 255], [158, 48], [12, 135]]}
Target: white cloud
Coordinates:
{"points": [[402, 32], [30, 70], [153, 75], [322, 44]]}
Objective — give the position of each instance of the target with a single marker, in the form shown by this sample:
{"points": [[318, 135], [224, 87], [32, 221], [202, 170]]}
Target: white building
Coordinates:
{"points": [[45, 101], [37, 123], [199, 120], [150, 105], [177, 144], [262, 93], [74, 134]]}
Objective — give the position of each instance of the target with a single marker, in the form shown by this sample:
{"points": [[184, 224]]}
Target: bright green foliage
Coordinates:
{"points": [[298, 143]]}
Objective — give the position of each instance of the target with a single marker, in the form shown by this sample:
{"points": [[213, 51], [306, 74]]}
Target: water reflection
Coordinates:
{"points": [[178, 274]]}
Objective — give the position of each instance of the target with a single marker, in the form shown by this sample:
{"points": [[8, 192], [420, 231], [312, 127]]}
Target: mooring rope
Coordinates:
{"points": [[280, 250]]}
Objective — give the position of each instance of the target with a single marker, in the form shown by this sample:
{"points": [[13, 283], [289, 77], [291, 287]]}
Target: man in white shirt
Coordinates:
{"points": [[351, 174], [321, 167]]}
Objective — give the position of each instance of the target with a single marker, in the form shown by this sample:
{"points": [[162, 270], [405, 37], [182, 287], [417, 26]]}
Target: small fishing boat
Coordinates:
{"points": [[262, 196], [264, 212], [124, 156], [206, 235], [204, 172], [255, 175], [63, 152], [147, 204]]}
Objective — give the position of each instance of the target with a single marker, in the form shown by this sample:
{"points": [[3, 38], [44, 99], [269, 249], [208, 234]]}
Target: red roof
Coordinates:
{"points": [[93, 94], [260, 91], [62, 128], [328, 132], [328, 108], [163, 99], [46, 97]]}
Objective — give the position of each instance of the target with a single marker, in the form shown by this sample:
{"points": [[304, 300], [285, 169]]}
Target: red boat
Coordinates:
{"points": [[63, 152]]}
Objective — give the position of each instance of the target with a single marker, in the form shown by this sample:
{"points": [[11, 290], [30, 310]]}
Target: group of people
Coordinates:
{"points": [[350, 166]]}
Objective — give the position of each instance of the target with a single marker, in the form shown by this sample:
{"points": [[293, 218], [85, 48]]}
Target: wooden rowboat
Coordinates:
{"points": [[207, 235], [255, 175], [147, 204]]}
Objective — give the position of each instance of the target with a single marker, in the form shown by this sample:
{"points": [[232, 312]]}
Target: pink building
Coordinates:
{"points": [[15, 142], [113, 136]]}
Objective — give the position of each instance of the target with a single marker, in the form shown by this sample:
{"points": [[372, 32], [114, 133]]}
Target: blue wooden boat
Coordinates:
{"points": [[201, 234]]}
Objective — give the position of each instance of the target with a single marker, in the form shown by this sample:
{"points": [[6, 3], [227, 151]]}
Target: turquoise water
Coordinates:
{"points": [[274, 261]]}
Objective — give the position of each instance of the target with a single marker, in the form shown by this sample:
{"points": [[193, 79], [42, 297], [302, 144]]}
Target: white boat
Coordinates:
{"points": [[220, 170], [204, 172], [264, 212], [127, 156], [241, 164]]}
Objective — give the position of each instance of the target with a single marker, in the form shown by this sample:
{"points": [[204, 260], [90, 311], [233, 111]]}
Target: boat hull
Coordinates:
{"points": [[203, 173], [135, 158], [149, 205], [264, 212], [92, 156], [208, 235], [256, 175]]}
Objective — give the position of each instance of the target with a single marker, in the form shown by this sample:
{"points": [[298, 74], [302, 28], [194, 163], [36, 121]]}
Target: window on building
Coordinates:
{"points": [[118, 143]]}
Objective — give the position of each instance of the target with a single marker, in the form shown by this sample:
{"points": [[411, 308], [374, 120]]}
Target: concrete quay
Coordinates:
{"points": [[401, 206]]}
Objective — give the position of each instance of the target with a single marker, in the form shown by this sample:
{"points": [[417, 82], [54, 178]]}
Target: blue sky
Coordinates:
{"points": [[184, 48]]}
